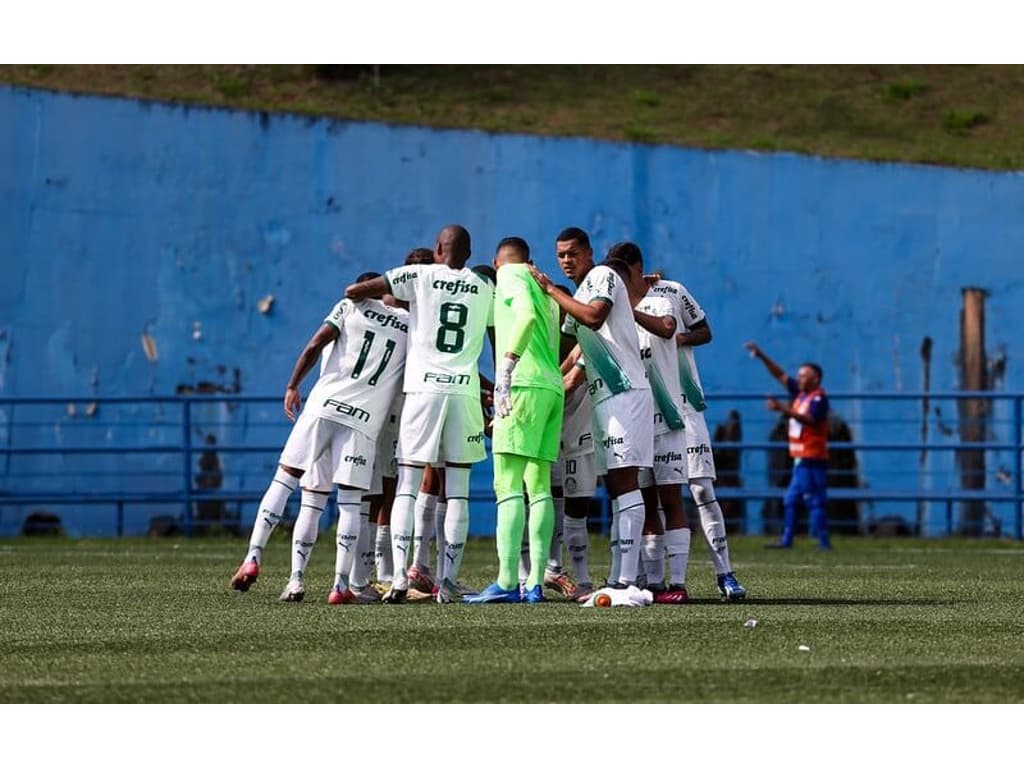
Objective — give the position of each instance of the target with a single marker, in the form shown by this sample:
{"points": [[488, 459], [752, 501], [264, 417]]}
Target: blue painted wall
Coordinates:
{"points": [[121, 218]]}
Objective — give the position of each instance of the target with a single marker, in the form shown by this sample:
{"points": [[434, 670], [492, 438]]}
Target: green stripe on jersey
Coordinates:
{"points": [[691, 390], [663, 399], [601, 364]]}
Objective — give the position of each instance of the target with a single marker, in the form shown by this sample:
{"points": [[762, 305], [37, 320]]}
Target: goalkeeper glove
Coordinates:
{"points": [[503, 386]]}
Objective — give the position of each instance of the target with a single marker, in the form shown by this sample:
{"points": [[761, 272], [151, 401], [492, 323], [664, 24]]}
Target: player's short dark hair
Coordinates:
{"points": [[573, 233], [486, 271], [816, 368], [367, 276], [620, 268], [564, 289], [419, 256], [517, 244], [627, 252]]}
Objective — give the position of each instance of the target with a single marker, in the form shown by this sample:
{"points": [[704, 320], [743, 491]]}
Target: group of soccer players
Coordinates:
{"points": [[599, 383]]}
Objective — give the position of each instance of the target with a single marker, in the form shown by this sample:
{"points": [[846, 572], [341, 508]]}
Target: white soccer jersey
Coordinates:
{"points": [[688, 314], [449, 312], [359, 389], [612, 352], [661, 361]]}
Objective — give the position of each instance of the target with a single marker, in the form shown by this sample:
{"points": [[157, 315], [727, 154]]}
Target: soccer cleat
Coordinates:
{"points": [[559, 581], [293, 592], [730, 588], [395, 596], [452, 592], [340, 597], [420, 578], [245, 576], [535, 595], [675, 594], [366, 595], [581, 593], [492, 593]]}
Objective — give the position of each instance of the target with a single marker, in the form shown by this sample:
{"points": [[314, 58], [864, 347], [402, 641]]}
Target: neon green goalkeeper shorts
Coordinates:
{"points": [[534, 428]]}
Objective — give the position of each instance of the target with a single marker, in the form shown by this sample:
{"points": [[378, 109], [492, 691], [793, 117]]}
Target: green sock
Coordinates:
{"points": [[511, 518], [542, 525]]}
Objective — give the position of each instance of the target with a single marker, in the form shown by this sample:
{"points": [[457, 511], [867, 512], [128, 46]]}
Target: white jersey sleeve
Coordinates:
{"points": [[449, 311], [688, 313], [661, 362], [612, 352]]}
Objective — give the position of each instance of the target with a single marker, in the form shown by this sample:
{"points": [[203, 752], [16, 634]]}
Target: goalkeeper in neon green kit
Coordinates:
{"points": [[528, 401]]}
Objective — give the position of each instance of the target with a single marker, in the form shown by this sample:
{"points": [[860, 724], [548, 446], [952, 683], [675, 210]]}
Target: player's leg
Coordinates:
{"points": [[461, 445], [440, 515], [541, 524], [511, 518], [790, 502], [350, 501], [304, 535], [381, 512], [701, 473], [362, 566], [418, 442], [423, 533], [652, 548], [272, 505]]}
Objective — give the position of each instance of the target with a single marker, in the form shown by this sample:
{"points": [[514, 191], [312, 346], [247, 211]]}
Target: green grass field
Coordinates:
{"points": [[155, 621]]}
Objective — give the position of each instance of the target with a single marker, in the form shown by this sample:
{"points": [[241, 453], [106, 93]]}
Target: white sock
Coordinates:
{"points": [[363, 564], [613, 542], [349, 503], [677, 552], [653, 554], [440, 513], [307, 524], [402, 512], [423, 528], [382, 554], [631, 523], [557, 535], [456, 522], [712, 523], [577, 541], [271, 508]]}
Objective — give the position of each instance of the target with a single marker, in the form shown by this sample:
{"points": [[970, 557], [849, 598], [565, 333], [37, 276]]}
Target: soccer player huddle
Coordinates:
{"points": [[597, 383]]}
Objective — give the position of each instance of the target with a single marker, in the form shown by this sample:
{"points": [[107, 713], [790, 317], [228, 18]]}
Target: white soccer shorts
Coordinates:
{"points": [[437, 428], [669, 461], [624, 431], [700, 461], [579, 476], [338, 455]]}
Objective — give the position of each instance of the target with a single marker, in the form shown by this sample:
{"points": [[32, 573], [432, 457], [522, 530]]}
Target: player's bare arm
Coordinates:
{"points": [[575, 378], [368, 289], [571, 359], [303, 365], [591, 315], [662, 326], [695, 335]]}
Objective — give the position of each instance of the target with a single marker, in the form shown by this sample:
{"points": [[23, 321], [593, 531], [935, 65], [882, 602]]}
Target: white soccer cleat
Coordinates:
{"points": [[293, 592]]}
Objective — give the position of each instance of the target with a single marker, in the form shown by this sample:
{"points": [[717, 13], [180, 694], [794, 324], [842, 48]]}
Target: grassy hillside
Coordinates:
{"points": [[970, 116]]}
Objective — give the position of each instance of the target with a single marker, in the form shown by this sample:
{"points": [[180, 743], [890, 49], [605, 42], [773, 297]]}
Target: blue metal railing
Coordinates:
{"points": [[137, 452]]}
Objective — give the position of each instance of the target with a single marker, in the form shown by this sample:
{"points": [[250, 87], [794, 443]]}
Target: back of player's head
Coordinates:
{"points": [[419, 256], [627, 252], [620, 268], [517, 249], [367, 276], [816, 368], [454, 241], [486, 271], [573, 233]]}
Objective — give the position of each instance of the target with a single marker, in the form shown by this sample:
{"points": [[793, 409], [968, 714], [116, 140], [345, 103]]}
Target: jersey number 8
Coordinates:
{"points": [[451, 335]]}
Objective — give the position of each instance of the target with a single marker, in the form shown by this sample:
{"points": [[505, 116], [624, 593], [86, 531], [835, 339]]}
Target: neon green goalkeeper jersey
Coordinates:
{"points": [[516, 299]]}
